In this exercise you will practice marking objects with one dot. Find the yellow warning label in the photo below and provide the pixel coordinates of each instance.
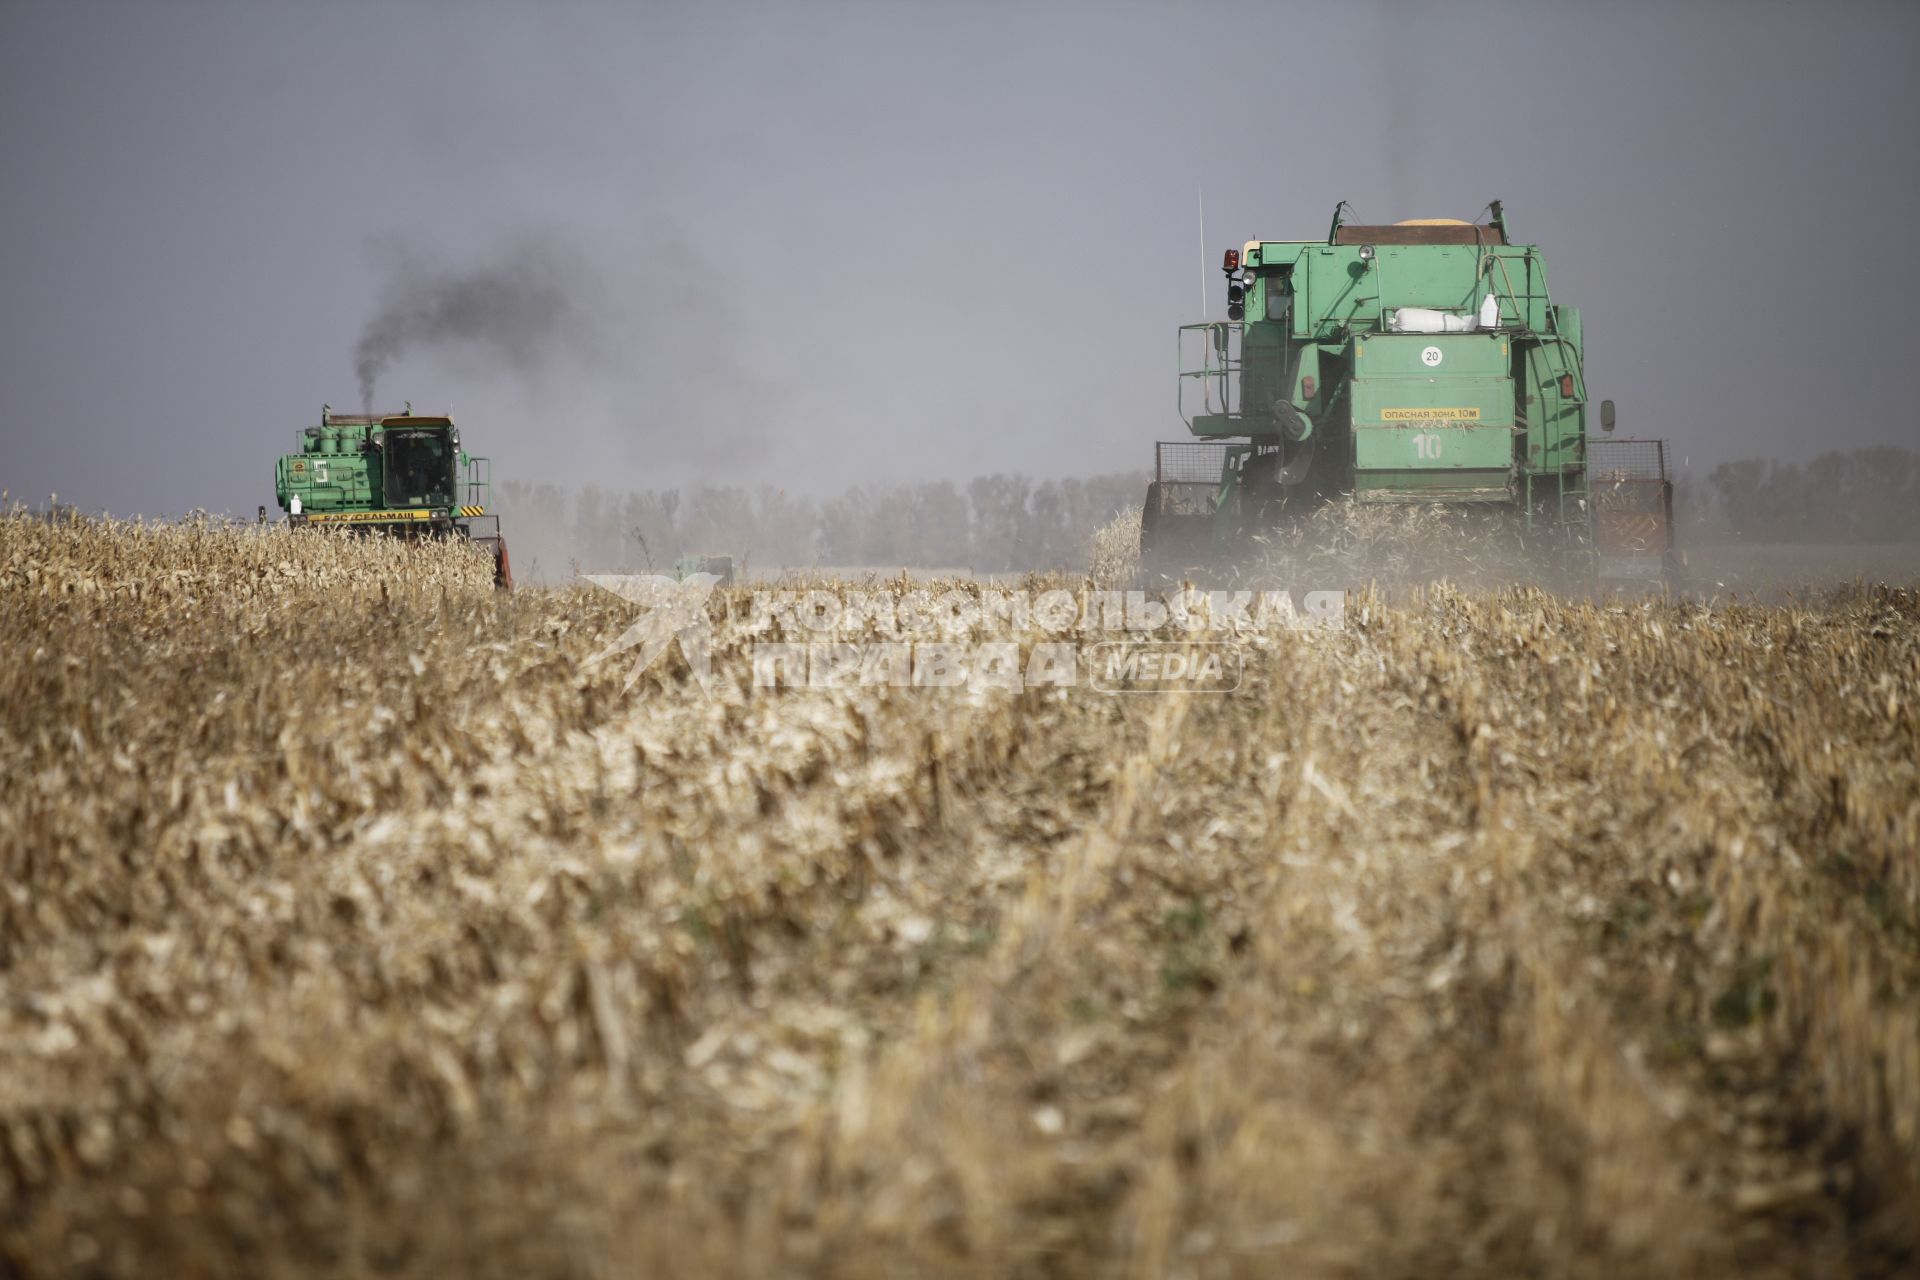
(472, 511)
(1469, 412)
(351, 517)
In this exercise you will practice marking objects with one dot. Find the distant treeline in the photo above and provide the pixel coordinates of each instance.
(1003, 523)
(1865, 495)
(992, 523)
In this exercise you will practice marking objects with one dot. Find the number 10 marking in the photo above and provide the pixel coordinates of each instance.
(1426, 445)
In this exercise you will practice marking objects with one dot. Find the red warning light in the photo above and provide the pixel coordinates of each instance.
(1232, 261)
(1566, 385)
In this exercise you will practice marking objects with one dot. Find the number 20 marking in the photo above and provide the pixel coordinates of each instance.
(1426, 445)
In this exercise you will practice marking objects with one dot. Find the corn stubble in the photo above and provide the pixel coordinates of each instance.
(349, 924)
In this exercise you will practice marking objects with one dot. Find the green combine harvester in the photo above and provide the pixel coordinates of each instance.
(399, 473)
(1422, 362)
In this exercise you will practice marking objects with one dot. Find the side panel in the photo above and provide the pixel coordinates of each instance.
(327, 481)
(1436, 446)
(1433, 416)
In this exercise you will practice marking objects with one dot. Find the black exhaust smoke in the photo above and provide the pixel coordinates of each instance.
(517, 306)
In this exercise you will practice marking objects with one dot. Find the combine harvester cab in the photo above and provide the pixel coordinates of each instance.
(402, 473)
(1418, 363)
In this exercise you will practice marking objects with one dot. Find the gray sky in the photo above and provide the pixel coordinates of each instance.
(810, 244)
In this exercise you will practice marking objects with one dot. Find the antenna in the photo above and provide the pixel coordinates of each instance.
(1201, 192)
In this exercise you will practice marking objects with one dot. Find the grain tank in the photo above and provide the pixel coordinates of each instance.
(1418, 362)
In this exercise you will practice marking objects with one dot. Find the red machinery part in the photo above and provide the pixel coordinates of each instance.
(502, 566)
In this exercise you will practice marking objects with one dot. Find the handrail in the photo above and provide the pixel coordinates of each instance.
(479, 480)
(1229, 367)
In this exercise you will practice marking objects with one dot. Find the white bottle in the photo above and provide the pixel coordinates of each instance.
(1490, 312)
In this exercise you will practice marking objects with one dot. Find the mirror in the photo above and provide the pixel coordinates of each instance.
(1606, 415)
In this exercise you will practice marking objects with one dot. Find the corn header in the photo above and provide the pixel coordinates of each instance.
(1418, 362)
(401, 473)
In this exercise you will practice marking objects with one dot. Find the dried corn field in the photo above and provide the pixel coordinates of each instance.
(350, 924)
